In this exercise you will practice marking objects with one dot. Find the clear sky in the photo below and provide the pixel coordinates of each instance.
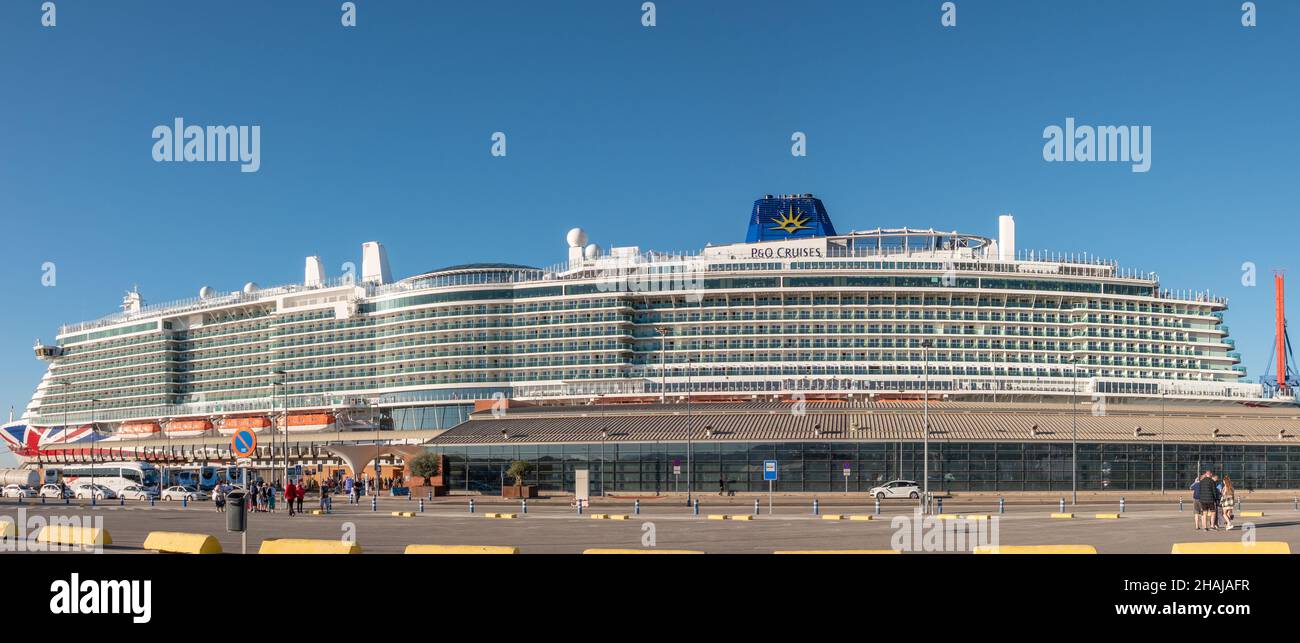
(660, 137)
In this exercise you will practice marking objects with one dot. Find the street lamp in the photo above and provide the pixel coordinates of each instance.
(663, 355)
(604, 435)
(925, 424)
(281, 383)
(1074, 432)
(93, 402)
(689, 362)
(1162, 443)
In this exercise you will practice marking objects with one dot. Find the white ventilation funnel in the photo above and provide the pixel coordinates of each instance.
(1006, 238)
(313, 273)
(374, 263)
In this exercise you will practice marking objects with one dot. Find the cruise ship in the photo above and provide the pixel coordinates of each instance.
(797, 311)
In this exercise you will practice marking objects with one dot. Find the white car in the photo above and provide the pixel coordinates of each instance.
(136, 492)
(55, 491)
(897, 489)
(97, 491)
(183, 493)
(19, 491)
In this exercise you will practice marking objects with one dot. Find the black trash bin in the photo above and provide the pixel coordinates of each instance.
(236, 512)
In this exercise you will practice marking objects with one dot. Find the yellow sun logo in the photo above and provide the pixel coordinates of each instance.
(791, 222)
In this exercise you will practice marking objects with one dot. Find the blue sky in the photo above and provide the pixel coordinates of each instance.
(659, 137)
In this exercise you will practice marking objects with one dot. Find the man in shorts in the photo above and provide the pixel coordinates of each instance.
(1209, 501)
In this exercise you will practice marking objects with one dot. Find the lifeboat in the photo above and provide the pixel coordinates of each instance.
(255, 424)
(311, 422)
(187, 428)
(138, 430)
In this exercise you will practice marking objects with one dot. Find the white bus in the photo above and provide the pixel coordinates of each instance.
(114, 475)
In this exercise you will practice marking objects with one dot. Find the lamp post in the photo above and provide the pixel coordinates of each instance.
(663, 358)
(1162, 443)
(925, 425)
(689, 486)
(281, 384)
(604, 435)
(1074, 432)
(93, 402)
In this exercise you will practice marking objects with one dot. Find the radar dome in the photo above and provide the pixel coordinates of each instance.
(577, 238)
(206, 292)
(592, 251)
(250, 288)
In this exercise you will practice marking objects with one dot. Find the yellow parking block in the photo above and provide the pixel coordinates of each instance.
(307, 546)
(741, 517)
(717, 516)
(1035, 549)
(619, 517)
(317, 512)
(832, 517)
(1062, 515)
(500, 515)
(837, 551)
(947, 517)
(1108, 516)
(74, 535)
(641, 551)
(7, 529)
(175, 542)
(600, 516)
(862, 517)
(460, 549)
(1251, 514)
(975, 516)
(404, 514)
(1234, 547)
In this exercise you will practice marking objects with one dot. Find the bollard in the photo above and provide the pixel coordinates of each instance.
(421, 505)
(430, 496)
(755, 506)
(579, 506)
(42, 499)
(92, 500)
(1002, 505)
(374, 503)
(185, 501)
(523, 505)
(471, 505)
(67, 500)
(1062, 504)
(151, 499)
(877, 506)
(121, 502)
(1295, 503)
(697, 506)
(20, 498)
(1180, 504)
(1121, 504)
(636, 506)
(939, 502)
(816, 507)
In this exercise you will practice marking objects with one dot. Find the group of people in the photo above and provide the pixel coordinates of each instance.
(1213, 498)
(261, 496)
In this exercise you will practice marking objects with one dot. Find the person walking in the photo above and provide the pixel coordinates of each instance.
(1196, 502)
(300, 492)
(1228, 500)
(219, 499)
(1209, 501)
(289, 492)
(268, 492)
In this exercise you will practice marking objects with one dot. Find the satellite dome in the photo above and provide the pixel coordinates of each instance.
(577, 238)
(250, 288)
(206, 292)
(592, 251)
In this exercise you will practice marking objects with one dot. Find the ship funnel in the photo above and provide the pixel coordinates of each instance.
(374, 263)
(1006, 237)
(314, 273)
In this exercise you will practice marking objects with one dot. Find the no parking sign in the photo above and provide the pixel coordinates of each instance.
(243, 443)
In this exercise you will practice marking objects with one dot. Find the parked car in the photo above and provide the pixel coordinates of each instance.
(19, 491)
(180, 492)
(136, 492)
(56, 491)
(97, 491)
(897, 489)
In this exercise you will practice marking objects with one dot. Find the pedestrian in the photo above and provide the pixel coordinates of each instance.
(289, 492)
(219, 499)
(300, 492)
(1228, 500)
(722, 485)
(1196, 501)
(269, 493)
(1209, 501)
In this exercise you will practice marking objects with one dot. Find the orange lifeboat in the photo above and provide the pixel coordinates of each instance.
(255, 424)
(187, 428)
(311, 422)
(138, 430)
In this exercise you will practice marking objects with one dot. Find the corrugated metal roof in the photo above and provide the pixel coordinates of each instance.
(957, 421)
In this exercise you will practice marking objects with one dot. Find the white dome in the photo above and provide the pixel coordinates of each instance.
(592, 251)
(250, 288)
(577, 238)
(206, 292)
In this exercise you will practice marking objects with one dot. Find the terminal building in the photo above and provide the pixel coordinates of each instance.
(804, 344)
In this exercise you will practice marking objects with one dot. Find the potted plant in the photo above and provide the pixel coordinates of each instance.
(518, 469)
(427, 466)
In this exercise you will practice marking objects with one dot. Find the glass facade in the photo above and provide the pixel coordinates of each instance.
(819, 466)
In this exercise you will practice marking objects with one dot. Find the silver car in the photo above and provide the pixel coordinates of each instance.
(897, 489)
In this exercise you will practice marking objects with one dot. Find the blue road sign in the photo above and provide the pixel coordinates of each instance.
(769, 469)
(243, 443)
